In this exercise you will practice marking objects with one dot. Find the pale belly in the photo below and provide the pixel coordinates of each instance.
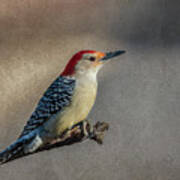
(82, 103)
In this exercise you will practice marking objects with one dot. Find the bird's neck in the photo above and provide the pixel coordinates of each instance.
(86, 77)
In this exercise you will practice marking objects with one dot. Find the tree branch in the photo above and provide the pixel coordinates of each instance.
(76, 134)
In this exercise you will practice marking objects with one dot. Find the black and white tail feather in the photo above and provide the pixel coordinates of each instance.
(18, 148)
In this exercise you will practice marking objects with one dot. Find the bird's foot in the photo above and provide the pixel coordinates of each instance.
(88, 129)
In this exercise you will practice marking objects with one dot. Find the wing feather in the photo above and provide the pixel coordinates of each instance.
(54, 100)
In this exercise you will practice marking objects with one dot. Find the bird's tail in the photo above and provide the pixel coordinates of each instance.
(17, 149)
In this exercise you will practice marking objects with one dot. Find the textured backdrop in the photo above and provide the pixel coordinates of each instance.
(139, 92)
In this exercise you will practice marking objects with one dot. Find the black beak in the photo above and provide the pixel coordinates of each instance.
(110, 55)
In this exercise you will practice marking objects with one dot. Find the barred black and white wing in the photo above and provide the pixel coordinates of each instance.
(54, 100)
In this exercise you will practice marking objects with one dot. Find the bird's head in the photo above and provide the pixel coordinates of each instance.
(88, 61)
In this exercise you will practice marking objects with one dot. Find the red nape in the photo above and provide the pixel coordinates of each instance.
(70, 67)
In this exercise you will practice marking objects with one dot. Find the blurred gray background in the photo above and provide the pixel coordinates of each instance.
(139, 92)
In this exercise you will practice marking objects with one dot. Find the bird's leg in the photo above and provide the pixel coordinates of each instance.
(88, 129)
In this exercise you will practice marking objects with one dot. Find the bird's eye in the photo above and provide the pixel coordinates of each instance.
(92, 58)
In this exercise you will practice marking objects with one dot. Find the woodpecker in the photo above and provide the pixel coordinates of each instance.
(66, 102)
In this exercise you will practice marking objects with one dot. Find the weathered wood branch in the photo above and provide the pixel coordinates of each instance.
(76, 134)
